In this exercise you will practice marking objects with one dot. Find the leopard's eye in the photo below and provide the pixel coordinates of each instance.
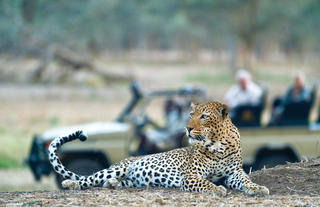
(191, 114)
(203, 116)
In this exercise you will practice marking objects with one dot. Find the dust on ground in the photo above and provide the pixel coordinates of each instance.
(294, 184)
(22, 179)
(294, 178)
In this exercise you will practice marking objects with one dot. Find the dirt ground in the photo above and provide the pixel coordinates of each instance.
(21, 179)
(294, 184)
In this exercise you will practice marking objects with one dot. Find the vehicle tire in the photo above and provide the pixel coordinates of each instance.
(80, 166)
(272, 160)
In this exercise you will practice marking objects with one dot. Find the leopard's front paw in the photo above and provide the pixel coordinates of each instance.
(257, 190)
(111, 183)
(70, 184)
(220, 191)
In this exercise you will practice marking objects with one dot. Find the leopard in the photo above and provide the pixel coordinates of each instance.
(214, 154)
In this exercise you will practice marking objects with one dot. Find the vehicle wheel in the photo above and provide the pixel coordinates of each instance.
(272, 160)
(81, 166)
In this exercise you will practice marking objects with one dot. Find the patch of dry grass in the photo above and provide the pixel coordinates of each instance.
(280, 180)
(152, 197)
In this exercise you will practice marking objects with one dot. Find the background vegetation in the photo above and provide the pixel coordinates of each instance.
(244, 30)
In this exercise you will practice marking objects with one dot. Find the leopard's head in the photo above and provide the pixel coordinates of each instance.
(207, 122)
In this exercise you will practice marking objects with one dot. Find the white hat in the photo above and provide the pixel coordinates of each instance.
(242, 73)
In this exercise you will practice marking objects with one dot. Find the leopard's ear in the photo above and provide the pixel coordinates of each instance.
(224, 109)
(193, 105)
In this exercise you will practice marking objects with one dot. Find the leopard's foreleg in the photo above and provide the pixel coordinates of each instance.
(195, 183)
(240, 180)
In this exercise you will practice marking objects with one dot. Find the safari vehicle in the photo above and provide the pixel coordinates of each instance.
(271, 146)
(134, 132)
(289, 139)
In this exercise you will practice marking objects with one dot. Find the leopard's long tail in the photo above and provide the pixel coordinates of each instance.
(54, 159)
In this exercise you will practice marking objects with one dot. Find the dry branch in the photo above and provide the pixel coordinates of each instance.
(73, 61)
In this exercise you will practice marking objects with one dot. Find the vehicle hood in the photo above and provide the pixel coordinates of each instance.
(90, 129)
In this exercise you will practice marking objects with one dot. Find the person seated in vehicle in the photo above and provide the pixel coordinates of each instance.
(244, 93)
(169, 136)
(298, 92)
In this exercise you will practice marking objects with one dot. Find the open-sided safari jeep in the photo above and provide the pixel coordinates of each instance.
(132, 133)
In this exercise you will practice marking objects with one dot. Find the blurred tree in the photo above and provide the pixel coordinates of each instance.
(28, 10)
(236, 26)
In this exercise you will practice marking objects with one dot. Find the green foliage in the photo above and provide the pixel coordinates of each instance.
(13, 148)
(33, 202)
(272, 77)
(8, 162)
(210, 79)
(166, 24)
(54, 121)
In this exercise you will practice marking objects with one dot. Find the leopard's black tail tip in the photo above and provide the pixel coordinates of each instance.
(81, 135)
(78, 135)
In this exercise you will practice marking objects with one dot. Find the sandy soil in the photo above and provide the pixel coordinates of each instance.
(295, 184)
(23, 180)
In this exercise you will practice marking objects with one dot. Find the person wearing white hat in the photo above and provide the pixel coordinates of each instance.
(246, 92)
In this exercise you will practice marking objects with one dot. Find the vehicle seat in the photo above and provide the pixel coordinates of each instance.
(250, 115)
(296, 113)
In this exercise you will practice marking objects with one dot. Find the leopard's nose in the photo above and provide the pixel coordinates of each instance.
(189, 129)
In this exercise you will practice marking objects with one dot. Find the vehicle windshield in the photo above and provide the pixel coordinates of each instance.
(165, 107)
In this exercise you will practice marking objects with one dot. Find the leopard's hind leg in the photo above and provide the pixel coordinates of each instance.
(114, 176)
